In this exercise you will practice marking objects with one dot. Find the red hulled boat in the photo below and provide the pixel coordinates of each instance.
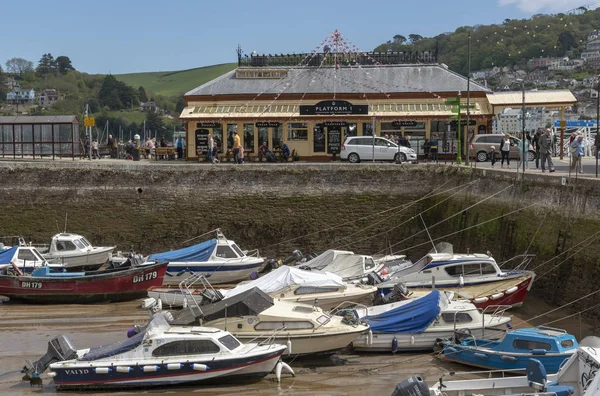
(112, 285)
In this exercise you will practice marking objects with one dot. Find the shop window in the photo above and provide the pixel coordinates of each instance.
(263, 135)
(318, 139)
(231, 130)
(351, 130)
(277, 137)
(367, 129)
(217, 133)
(297, 131)
(249, 137)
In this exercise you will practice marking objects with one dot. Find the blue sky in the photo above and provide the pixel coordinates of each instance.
(128, 36)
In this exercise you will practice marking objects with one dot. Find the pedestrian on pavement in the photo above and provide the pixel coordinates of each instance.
(492, 155)
(433, 148)
(546, 149)
(505, 151)
(523, 153)
(179, 145)
(576, 154)
(536, 147)
(236, 148)
(95, 149)
(209, 149)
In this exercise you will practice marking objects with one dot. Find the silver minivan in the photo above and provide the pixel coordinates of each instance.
(360, 148)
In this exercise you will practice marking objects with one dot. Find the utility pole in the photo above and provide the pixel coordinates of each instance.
(468, 98)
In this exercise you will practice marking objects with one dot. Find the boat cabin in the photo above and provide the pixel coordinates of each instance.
(539, 341)
(26, 258)
(66, 242)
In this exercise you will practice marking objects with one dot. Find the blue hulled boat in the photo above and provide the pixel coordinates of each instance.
(548, 345)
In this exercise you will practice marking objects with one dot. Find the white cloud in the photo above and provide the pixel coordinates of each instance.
(535, 6)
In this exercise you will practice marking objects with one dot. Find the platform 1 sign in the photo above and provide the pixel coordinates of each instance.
(334, 107)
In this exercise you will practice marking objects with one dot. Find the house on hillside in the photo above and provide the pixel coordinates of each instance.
(538, 63)
(148, 106)
(21, 96)
(48, 97)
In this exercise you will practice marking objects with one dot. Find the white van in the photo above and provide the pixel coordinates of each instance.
(360, 148)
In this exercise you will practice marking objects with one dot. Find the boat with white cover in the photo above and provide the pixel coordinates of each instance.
(255, 316)
(76, 252)
(219, 259)
(161, 355)
(346, 264)
(418, 323)
(324, 290)
(475, 277)
(578, 376)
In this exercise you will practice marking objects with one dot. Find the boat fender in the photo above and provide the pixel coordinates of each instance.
(185, 303)
(124, 369)
(131, 332)
(394, 345)
(289, 346)
(538, 351)
(508, 358)
(370, 337)
(168, 273)
(102, 370)
(480, 300)
(150, 369)
(481, 356)
(285, 368)
(461, 281)
(200, 367)
(174, 366)
(511, 290)
(450, 350)
(496, 296)
(52, 374)
(412, 340)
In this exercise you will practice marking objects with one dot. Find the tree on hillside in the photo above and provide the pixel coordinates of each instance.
(399, 39)
(415, 37)
(142, 95)
(116, 95)
(18, 66)
(64, 64)
(180, 105)
(154, 122)
(46, 66)
(3, 88)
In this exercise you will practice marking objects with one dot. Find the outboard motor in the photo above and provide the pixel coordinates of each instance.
(60, 349)
(399, 292)
(414, 386)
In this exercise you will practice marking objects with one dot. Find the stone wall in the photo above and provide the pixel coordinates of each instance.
(365, 208)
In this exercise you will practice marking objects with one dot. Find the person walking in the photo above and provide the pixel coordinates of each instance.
(505, 151)
(209, 147)
(95, 149)
(109, 145)
(536, 147)
(179, 145)
(236, 148)
(492, 155)
(546, 151)
(576, 154)
(433, 148)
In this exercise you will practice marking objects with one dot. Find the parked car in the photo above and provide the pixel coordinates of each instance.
(360, 148)
(480, 146)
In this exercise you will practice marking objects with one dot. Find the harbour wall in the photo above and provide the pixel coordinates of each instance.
(364, 208)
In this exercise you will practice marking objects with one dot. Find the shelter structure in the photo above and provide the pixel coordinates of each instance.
(43, 136)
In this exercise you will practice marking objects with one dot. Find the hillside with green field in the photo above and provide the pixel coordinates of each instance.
(175, 83)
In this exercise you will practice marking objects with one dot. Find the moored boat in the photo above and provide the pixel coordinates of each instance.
(548, 345)
(418, 323)
(45, 286)
(76, 253)
(345, 264)
(475, 277)
(24, 259)
(255, 316)
(218, 259)
(161, 355)
(324, 290)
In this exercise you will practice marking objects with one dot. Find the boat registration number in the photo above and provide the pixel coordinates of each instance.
(145, 277)
(31, 285)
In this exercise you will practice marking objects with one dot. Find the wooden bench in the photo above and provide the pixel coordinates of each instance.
(168, 152)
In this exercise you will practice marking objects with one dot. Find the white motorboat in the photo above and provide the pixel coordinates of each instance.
(577, 376)
(218, 259)
(24, 259)
(76, 253)
(160, 355)
(346, 264)
(417, 324)
(324, 290)
(476, 277)
(254, 316)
